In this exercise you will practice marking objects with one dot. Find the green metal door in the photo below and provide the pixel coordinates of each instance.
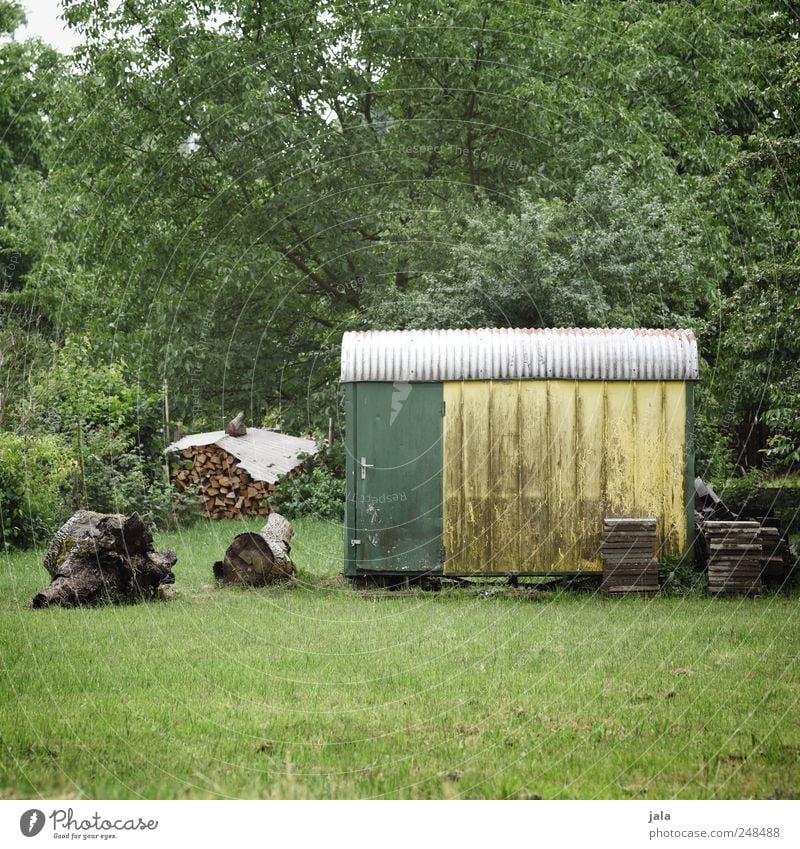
(394, 478)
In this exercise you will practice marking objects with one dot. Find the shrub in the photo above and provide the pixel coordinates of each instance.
(318, 490)
(130, 481)
(111, 427)
(34, 474)
(677, 575)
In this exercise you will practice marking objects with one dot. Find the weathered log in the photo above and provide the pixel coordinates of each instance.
(257, 559)
(99, 557)
(236, 426)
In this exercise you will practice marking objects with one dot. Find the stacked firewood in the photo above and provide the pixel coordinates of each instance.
(226, 490)
(775, 557)
(734, 551)
(628, 550)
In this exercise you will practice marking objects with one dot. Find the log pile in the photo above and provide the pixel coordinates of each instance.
(102, 558)
(255, 560)
(775, 557)
(734, 551)
(628, 551)
(226, 490)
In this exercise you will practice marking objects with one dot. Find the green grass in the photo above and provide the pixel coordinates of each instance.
(322, 691)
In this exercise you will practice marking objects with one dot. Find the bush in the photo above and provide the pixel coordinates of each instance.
(318, 490)
(713, 447)
(112, 429)
(128, 481)
(677, 575)
(34, 476)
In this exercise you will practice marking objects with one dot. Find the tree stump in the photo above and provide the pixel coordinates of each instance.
(99, 557)
(257, 559)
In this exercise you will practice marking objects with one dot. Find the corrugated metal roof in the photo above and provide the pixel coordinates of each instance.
(263, 453)
(514, 354)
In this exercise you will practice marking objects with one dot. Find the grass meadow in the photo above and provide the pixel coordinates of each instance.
(321, 691)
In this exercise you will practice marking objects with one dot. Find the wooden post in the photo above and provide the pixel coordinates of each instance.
(167, 440)
(82, 493)
(330, 431)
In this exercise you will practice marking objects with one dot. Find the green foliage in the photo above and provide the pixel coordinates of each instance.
(600, 259)
(551, 163)
(28, 72)
(678, 576)
(714, 455)
(34, 473)
(756, 355)
(81, 394)
(121, 482)
(28, 67)
(317, 490)
(112, 429)
(369, 155)
(739, 489)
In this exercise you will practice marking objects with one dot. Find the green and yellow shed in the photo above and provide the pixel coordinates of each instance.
(500, 451)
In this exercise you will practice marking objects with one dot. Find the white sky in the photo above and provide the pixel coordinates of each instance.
(44, 20)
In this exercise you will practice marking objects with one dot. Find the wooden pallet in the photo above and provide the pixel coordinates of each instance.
(775, 557)
(628, 551)
(733, 551)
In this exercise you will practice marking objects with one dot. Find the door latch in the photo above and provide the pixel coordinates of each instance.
(364, 466)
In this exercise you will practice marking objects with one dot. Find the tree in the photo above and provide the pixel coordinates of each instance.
(756, 372)
(233, 183)
(616, 254)
(27, 69)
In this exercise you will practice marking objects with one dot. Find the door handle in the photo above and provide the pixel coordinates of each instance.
(364, 466)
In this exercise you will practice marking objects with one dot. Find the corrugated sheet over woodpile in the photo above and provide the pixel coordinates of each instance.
(234, 475)
(519, 354)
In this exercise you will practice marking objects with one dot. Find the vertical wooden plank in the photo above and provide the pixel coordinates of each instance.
(453, 494)
(620, 449)
(649, 454)
(534, 473)
(504, 478)
(563, 494)
(589, 460)
(477, 413)
(675, 467)
(689, 473)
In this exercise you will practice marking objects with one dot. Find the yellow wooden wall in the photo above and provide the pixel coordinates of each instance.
(531, 467)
